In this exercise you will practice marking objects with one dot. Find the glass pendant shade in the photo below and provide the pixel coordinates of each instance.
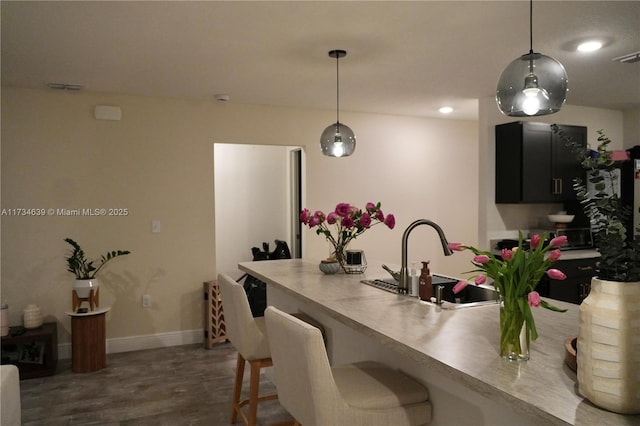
(338, 140)
(534, 84)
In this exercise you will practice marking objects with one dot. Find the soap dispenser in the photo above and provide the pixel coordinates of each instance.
(425, 287)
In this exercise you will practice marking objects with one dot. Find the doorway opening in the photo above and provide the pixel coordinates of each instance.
(258, 193)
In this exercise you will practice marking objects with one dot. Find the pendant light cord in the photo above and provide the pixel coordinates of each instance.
(531, 36)
(337, 93)
(531, 26)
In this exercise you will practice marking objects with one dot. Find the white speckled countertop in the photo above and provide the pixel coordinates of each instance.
(462, 344)
(579, 254)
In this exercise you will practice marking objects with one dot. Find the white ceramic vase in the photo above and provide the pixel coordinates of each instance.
(609, 346)
(31, 317)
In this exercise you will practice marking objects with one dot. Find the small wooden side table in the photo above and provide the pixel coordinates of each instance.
(88, 341)
(34, 351)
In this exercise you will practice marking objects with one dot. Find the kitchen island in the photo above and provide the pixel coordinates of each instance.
(453, 352)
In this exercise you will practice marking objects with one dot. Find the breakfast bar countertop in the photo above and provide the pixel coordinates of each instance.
(462, 344)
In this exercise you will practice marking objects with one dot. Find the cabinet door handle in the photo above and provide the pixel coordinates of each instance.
(557, 186)
(585, 268)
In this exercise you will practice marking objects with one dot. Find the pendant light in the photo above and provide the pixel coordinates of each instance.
(338, 140)
(532, 85)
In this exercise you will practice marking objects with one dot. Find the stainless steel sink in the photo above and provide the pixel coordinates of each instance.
(470, 296)
(391, 285)
(474, 293)
(456, 306)
(386, 284)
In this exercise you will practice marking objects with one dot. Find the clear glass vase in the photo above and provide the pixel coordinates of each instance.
(338, 253)
(514, 335)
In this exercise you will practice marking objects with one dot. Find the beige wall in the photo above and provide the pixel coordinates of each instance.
(157, 162)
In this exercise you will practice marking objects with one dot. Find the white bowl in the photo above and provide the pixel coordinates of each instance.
(561, 218)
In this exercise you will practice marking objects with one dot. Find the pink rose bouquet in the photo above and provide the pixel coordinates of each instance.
(348, 222)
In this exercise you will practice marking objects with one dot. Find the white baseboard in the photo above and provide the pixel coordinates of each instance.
(137, 343)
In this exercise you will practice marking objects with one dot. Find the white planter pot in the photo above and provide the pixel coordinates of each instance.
(82, 291)
(83, 287)
(609, 346)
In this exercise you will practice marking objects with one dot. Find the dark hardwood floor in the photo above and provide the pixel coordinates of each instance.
(180, 385)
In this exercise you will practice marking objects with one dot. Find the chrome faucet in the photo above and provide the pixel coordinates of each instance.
(404, 271)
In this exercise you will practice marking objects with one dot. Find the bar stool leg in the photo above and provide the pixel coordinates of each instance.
(254, 384)
(237, 388)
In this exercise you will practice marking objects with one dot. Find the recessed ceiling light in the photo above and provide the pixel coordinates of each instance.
(446, 110)
(589, 46)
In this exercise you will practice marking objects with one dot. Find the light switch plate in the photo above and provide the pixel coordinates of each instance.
(155, 225)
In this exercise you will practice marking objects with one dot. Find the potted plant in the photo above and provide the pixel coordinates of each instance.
(85, 272)
(609, 327)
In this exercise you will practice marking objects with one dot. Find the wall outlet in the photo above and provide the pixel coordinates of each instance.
(146, 301)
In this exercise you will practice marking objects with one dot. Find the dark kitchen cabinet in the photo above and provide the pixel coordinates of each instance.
(533, 165)
(577, 286)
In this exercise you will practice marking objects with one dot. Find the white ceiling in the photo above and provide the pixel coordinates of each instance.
(406, 58)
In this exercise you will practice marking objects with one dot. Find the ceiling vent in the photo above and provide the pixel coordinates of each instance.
(64, 86)
(628, 59)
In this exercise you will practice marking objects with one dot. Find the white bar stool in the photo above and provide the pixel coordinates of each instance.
(316, 394)
(248, 336)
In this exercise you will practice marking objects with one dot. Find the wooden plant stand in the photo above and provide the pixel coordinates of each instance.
(93, 299)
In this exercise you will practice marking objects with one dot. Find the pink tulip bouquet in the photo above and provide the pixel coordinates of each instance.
(515, 274)
(348, 222)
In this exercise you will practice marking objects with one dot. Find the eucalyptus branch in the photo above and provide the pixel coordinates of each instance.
(619, 253)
